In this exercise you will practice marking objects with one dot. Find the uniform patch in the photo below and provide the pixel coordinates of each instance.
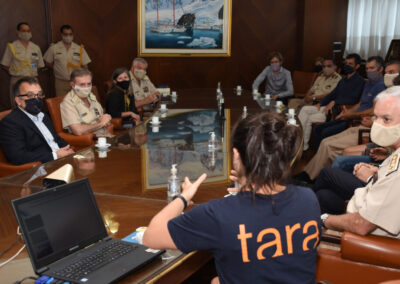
(83, 114)
(393, 164)
(145, 89)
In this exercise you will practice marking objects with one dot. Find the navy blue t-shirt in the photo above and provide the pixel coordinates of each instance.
(259, 240)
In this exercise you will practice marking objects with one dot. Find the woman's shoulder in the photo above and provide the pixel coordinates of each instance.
(114, 92)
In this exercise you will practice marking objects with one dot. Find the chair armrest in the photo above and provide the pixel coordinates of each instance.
(363, 139)
(7, 169)
(117, 122)
(78, 140)
(375, 250)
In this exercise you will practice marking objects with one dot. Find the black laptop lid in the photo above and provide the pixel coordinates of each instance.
(59, 221)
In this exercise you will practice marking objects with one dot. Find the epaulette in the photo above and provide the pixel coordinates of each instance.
(393, 164)
(92, 97)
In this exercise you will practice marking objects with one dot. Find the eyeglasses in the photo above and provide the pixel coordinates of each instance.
(30, 95)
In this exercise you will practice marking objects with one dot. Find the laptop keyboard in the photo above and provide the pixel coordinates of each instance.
(96, 260)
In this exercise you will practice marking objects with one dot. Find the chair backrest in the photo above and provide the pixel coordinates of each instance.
(302, 81)
(53, 104)
(4, 113)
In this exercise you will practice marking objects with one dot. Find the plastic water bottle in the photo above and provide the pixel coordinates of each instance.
(174, 183)
(212, 142)
(244, 114)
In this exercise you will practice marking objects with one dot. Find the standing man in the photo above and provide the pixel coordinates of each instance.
(141, 86)
(278, 81)
(81, 113)
(27, 134)
(21, 58)
(64, 57)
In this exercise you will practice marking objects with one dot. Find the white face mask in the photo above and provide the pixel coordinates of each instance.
(26, 36)
(82, 92)
(328, 71)
(388, 79)
(385, 135)
(67, 39)
(139, 73)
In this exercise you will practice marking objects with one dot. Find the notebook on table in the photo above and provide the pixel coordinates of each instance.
(66, 237)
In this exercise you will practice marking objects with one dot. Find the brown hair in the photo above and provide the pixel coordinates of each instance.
(275, 54)
(80, 72)
(267, 145)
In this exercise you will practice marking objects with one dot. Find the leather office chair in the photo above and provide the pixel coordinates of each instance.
(6, 168)
(361, 259)
(302, 82)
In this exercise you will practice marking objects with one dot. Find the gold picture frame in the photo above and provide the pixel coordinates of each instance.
(202, 29)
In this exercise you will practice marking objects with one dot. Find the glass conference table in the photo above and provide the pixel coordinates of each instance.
(129, 178)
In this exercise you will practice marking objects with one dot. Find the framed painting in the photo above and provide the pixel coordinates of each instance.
(184, 27)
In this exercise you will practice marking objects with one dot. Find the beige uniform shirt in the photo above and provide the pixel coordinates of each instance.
(23, 61)
(74, 111)
(142, 90)
(379, 202)
(325, 85)
(60, 56)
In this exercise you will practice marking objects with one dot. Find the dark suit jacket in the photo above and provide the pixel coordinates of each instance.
(22, 141)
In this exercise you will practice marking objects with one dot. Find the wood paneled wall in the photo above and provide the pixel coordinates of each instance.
(300, 29)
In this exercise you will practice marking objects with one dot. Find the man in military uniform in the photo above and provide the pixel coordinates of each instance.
(374, 208)
(21, 58)
(141, 86)
(322, 86)
(64, 57)
(81, 113)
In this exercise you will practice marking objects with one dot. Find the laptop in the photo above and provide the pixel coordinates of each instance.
(66, 237)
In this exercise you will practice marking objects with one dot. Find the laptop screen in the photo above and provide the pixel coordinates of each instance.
(59, 221)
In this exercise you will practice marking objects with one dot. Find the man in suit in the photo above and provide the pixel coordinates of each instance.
(27, 134)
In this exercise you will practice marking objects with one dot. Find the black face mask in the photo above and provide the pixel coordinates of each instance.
(317, 68)
(347, 69)
(124, 85)
(34, 106)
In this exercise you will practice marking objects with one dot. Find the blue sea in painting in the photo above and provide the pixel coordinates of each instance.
(201, 39)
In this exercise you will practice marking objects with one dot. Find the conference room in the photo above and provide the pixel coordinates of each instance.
(186, 141)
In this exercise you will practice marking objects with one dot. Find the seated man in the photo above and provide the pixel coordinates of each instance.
(27, 134)
(347, 92)
(81, 113)
(141, 86)
(374, 86)
(333, 146)
(322, 86)
(278, 81)
(374, 208)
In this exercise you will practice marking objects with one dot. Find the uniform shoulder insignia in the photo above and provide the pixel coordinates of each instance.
(75, 98)
(393, 164)
(146, 78)
(92, 97)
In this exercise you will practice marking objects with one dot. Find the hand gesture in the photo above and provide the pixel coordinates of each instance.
(189, 189)
(275, 97)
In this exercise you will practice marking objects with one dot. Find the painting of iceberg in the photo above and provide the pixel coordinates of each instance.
(184, 27)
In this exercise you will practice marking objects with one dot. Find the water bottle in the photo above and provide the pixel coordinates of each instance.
(212, 142)
(174, 184)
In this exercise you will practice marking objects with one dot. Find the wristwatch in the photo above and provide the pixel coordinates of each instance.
(323, 219)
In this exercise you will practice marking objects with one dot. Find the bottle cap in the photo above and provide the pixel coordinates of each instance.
(174, 170)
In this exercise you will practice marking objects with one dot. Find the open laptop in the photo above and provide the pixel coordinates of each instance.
(66, 237)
